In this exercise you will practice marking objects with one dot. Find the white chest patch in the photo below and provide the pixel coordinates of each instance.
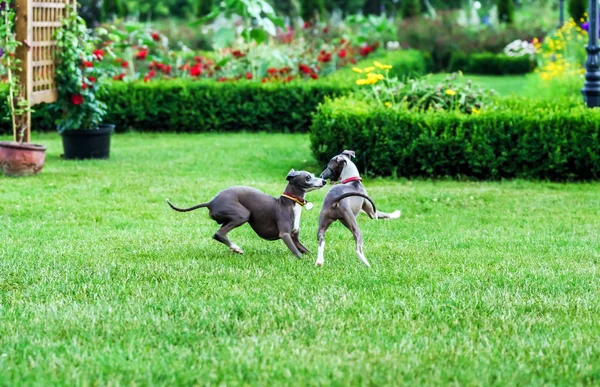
(297, 214)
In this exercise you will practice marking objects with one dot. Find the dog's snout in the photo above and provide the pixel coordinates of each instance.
(324, 181)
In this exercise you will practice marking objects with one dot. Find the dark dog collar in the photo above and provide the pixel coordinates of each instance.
(294, 198)
(348, 180)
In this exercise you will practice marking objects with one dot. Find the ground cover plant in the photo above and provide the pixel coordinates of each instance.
(476, 284)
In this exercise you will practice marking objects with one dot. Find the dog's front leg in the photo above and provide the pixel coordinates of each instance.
(289, 242)
(299, 245)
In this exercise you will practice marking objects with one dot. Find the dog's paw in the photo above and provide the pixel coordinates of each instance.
(236, 249)
(319, 263)
(396, 214)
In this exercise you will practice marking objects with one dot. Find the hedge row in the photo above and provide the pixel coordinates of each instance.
(520, 139)
(491, 64)
(206, 105)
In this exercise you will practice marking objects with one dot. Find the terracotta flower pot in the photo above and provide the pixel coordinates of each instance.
(21, 159)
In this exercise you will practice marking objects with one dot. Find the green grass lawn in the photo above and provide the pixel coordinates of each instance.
(102, 284)
(528, 85)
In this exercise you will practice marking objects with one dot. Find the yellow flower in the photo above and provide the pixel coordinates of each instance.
(379, 77)
(475, 111)
(356, 70)
(369, 69)
(382, 66)
(450, 92)
(361, 81)
(388, 104)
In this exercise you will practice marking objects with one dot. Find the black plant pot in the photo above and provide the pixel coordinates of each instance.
(87, 144)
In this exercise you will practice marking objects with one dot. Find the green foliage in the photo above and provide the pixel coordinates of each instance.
(78, 84)
(556, 140)
(577, 9)
(310, 10)
(506, 11)
(491, 64)
(11, 66)
(410, 8)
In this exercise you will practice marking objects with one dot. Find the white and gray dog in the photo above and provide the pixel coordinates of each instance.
(344, 201)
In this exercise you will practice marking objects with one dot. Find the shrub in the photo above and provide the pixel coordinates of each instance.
(556, 140)
(205, 105)
(491, 64)
(506, 11)
(410, 8)
(424, 35)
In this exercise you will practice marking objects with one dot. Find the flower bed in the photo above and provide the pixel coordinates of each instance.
(519, 138)
(185, 105)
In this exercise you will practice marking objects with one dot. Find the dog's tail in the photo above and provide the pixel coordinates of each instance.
(348, 194)
(187, 209)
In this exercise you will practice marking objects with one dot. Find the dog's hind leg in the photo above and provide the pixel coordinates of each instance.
(323, 226)
(230, 224)
(350, 221)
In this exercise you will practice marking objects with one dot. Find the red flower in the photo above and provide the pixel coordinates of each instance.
(119, 77)
(324, 57)
(155, 36)
(342, 53)
(342, 41)
(304, 68)
(92, 79)
(166, 69)
(185, 67)
(326, 30)
(353, 60)
(88, 64)
(99, 54)
(366, 50)
(196, 70)
(314, 76)
(222, 79)
(306, 25)
(284, 70)
(84, 86)
(118, 60)
(124, 64)
(237, 54)
(77, 99)
(264, 80)
(272, 71)
(288, 79)
(142, 54)
(152, 73)
(147, 78)
(198, 59)
(248, 75)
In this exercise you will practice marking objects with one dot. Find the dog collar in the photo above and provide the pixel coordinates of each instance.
(295, 198)
(348, 180)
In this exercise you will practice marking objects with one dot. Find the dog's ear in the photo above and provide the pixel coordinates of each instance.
(292, 174)
(349, 153)
(340, 160)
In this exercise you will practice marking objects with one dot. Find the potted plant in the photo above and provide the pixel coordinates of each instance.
(17, 158)
(79, 84)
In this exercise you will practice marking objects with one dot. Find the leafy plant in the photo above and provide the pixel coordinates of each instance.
(421, 94)
(78, 81)
(18, 106)
(506, 11)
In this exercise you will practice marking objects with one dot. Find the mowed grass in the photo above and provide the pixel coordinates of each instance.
(102, 284)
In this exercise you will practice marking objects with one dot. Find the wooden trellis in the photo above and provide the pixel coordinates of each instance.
(35, 24)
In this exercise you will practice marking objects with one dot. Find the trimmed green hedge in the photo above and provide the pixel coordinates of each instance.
(490, 64)
(519, 139)
(206, 105)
